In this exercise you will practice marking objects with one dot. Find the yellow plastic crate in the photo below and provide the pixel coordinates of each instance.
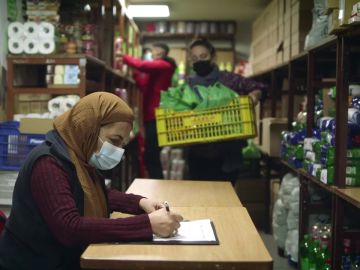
(235, 121)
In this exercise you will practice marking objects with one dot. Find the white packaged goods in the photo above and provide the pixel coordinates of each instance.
(286, 216)
(16, 45)
(31, 38)
(15, 30)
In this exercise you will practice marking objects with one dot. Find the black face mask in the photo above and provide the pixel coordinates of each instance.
(203, 67)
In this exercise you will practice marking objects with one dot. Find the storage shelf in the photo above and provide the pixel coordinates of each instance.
(119, 74)
(351, 195)
(186, 35)
(45, 90)
(313, 179)
(289, 166)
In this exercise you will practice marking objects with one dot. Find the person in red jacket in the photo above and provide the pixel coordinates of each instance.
(159, 73)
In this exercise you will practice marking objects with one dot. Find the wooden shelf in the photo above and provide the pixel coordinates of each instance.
(186, 35)
(44, 90)
(119, 74)
(351, 195)
(290, 167)
(313, 179)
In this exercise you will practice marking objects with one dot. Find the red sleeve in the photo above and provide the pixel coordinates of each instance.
(145, 65)
(124, 202)
(52, 194)
(141, 79)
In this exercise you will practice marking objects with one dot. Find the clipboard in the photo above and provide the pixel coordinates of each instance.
(194, 232)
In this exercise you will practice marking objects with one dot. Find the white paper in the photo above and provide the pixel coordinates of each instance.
(192, 231)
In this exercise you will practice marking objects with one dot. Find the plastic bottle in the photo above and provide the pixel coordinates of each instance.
(305, 247)
(323, 256)
(346, 257)
(354, 116)
(356, 263)
(313, 255)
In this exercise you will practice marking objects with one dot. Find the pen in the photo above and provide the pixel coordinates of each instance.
(167, 207)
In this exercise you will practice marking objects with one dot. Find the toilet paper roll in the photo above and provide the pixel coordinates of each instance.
(31, 29)
(15, 30)
(16, 45)
(31, 46)
(46, 30)
(69, 102)
(46, 46)
(54, 105)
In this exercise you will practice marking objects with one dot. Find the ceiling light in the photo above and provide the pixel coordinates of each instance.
(149, 11)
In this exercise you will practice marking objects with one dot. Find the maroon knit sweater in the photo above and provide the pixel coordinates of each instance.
(52, 194)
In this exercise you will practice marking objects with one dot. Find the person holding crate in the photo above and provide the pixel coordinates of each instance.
(222, 160)
(60, 202)
(159, 73)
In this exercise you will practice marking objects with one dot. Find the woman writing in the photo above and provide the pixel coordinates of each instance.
(60, 203)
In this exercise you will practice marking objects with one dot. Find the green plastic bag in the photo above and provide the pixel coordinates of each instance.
(251, 151)
(217, 95)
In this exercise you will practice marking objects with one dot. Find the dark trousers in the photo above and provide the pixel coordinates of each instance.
(152, 151)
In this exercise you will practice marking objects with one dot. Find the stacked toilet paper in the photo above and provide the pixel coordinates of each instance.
(31, 38)
(61, 104)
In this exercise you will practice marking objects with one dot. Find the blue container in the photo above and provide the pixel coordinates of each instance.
(15, 146)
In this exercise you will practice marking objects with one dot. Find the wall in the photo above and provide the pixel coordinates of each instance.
(243, 39)
(3, 51)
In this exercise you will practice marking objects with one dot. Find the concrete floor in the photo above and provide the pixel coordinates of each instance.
(280, 263)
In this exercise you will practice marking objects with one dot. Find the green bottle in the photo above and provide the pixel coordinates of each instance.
(305, 247)
(323, 257)
(313, 255)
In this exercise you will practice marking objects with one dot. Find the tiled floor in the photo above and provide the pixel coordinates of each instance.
(279, 262)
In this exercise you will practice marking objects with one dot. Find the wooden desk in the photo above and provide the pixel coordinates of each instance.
(240, 247)
(187, 193)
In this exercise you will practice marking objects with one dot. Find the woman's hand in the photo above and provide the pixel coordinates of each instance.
(255, 96)
(149, 205)
(164, 223)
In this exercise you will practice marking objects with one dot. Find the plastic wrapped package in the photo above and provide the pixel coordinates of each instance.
(292, 221)
(291, 245)
(279, 223)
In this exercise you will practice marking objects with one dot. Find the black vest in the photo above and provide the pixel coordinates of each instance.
(27, 242)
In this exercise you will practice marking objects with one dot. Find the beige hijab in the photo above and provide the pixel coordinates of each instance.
(79, 128)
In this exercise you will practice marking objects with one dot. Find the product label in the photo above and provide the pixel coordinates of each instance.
(323, 176)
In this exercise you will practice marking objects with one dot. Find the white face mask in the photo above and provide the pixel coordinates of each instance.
(108, 157)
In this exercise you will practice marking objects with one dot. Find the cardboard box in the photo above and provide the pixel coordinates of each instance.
(298, 5)
(33, 97)
(298, 101)
(328, 102)
(279, 57)
(288, 5)
(22, 107)
(35, 125)
(333, 21)
(252, 190)
(345, 10)
(271, 134)
(332, 4)
(287, 53)
(257, 212)
(287, 26)
(280, 32)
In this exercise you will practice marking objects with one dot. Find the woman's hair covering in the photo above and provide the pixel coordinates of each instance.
(79, 128)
